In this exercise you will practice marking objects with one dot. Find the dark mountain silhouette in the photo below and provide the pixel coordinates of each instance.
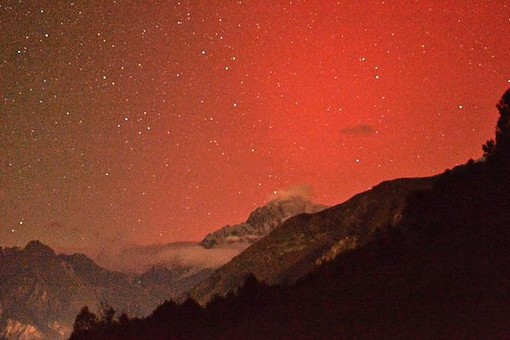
(441, 271)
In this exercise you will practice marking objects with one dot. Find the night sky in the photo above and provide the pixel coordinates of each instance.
(158, 121)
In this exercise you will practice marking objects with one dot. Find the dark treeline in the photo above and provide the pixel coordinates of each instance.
(443, 272)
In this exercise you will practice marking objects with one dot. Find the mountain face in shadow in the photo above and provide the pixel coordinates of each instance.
(440, 270)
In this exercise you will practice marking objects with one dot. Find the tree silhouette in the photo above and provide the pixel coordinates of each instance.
(123, 319)
(84, 321)
(106, 312)
(499, 149)
(488, 148)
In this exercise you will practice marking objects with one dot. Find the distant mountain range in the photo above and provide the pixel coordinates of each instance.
(41, 292)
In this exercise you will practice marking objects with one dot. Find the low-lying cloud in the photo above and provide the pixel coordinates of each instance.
(183, 254)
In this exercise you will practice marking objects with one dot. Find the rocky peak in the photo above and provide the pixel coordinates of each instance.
(38, 248)
(279, 210)
(17, 330)
(261, 221)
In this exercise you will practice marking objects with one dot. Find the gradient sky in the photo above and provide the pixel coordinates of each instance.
(158, 121)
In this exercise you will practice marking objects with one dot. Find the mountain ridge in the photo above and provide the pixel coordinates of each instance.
(294, 248)
(41, 288)
(261, 221)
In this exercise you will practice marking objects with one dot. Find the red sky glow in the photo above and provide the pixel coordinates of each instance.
(159, 121)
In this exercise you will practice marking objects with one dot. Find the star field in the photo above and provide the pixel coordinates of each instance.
(159, 121)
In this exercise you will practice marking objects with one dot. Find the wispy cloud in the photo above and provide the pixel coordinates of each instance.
(139, 259)
(358, 130)
(299, 190)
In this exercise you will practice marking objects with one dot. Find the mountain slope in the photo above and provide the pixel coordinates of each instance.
(302, 242)
(42, 291)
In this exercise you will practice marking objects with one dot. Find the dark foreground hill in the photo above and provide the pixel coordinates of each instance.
(442, 271)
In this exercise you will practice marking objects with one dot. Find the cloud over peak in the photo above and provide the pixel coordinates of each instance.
(298, 190)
